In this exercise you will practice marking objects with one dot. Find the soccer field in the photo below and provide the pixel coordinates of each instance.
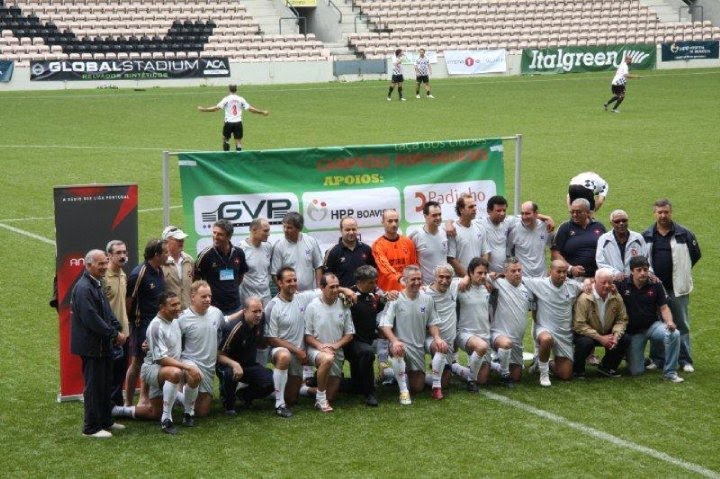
(664, 143)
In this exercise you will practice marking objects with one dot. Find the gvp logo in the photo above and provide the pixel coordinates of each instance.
(242, 212)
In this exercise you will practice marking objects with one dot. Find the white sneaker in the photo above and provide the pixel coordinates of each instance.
(402, 99)
(100, 434)
(116, 426)
(688, 368)
(673, 379)
(651, 366)
(545, 379)
(405, 399)
(430, 96)
(389, 99)
(417, 96)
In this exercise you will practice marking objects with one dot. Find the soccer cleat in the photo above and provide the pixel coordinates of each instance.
(116, 427)
(472, 386)
(283, 411)
(609, 372)
(673, 378)
(102, 433)
(371, 400)
(545, 379)
(430, 96)
(188, 420)
(402, 99)
(615, 111)
(405, 399)
(437, 394)
(605, 106)
(389, 99)
(230, 412)
(323, 406)
(168, 427)
(688, 368)
(417, 96)
(508, 382)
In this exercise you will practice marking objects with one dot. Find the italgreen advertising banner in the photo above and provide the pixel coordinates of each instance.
(327, 184)
(586, 59)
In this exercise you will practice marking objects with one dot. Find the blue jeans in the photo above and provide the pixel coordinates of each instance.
(679, 308)
(658, 334)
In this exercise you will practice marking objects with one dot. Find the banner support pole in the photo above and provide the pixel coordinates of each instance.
(166, 187)
(518, 163)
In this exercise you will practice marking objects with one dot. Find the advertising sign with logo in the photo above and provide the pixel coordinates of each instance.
(135, 69)
(6, 70)
(473, 62)
(411, 57)
(327, 184)
(586, 59)
(87, 217)
(695, 50)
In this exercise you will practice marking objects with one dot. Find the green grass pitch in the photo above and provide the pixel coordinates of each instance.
(663, 144)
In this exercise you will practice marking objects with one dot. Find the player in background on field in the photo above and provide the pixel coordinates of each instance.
(422, 74)
(233, 106)
(397, 75)
(618, 84)
(588, 185)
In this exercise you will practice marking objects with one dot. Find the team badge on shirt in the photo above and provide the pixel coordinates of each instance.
(422, 309)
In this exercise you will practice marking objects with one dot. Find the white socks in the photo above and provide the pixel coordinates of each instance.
(398, 365)
(280, 378)
(381, 347)
(190, 395)
(544, 367)
(320, 396)
(308, 372)
(461, 371)
(475, 363)
(123, 411)
(169, 395)
(504, 356)
(438, 366)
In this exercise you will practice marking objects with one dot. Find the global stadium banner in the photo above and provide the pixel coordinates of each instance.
(690, 50)
(87, 217)
(586, 59)
(330, 183)
(473, 62)
(133, 69)
(6, 70)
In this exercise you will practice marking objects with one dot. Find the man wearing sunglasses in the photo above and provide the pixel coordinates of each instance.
(616, 247)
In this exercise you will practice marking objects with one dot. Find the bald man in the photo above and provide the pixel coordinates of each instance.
(392, 252)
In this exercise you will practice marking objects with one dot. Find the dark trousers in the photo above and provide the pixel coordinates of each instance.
(97, 373)
(361, 357)
(119, 369)
(258, 378)
(584, 345)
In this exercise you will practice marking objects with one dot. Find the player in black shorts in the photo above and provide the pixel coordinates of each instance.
(579, 191)
(397, 75)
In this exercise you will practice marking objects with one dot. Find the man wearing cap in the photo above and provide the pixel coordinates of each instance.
(178, 269)
(223, 266)
(650, 319)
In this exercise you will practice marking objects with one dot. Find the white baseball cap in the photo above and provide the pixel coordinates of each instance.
(173, 232)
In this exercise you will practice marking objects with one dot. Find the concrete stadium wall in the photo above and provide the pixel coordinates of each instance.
(282, 73)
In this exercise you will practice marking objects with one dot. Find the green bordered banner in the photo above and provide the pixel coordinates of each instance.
(327, 184)
(586, 59)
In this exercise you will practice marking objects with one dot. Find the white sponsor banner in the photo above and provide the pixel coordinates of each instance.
(324, 209)
(242, 209)
(472, 62)
(446, 194)
(411, 57)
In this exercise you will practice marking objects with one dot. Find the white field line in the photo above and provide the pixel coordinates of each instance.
(45, 218)
(596, 433)
(28, 234)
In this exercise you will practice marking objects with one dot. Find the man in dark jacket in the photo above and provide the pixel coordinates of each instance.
(95, 331)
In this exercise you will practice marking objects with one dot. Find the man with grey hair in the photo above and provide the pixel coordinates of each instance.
(298, 251)
(527, 241)
(673, 251)
(405, 323)
(600, 319)
(115, 289)
(444, 291)
(616, 247)
(576, 240)
(94, 334)
(258, 253)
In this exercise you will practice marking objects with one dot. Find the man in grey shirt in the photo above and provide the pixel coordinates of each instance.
(258, 253)
(298, 251)
(528, 240)
(431, 242)
(468, 240)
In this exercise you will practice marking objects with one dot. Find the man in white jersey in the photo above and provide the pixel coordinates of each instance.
(528, 240)
(328, 329)
(422, 74)
(405, 323)
(162, 370)
(298, 251)
(199, 326)
(431, 243)
(555, 297)
(618, 84)
(397, 75)
(473, 323)
(258, 252)
(509, 321)
(588, 185)
(616, 247)
(444, 291)
(468, 242)
(233, 106)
